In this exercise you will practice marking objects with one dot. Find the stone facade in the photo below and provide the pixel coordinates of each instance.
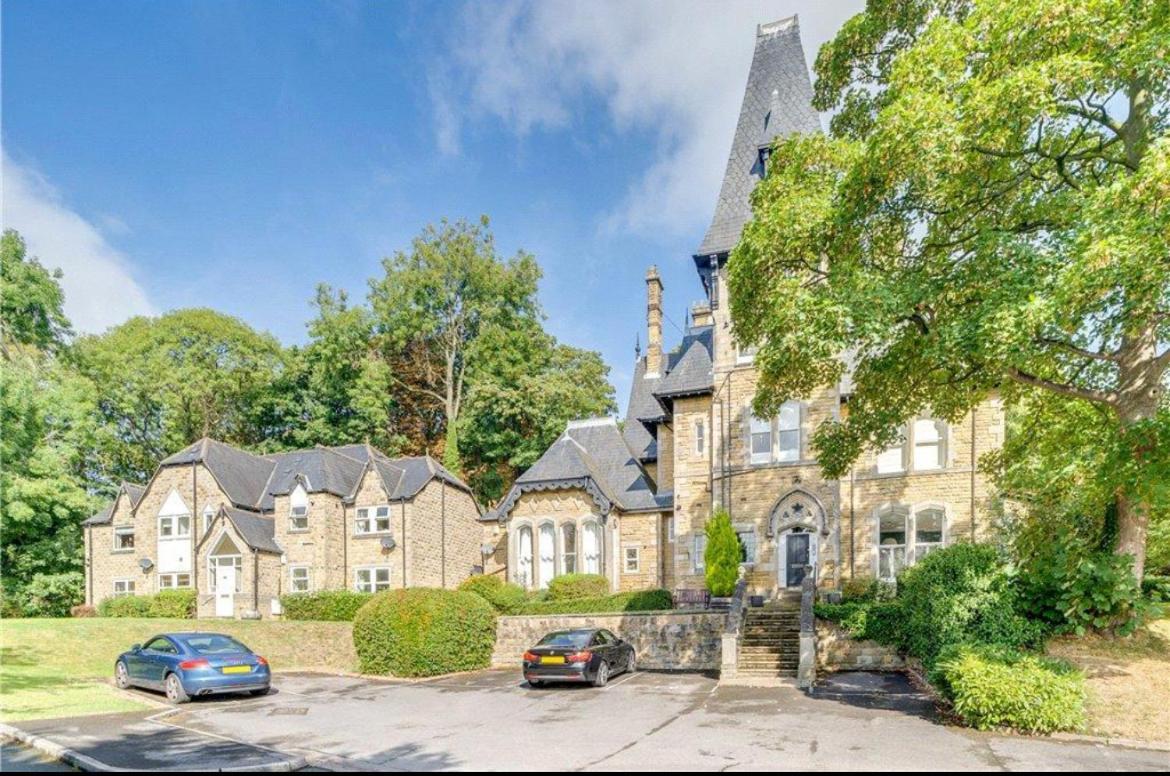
(433, 538)
(837, 651)
(679, 640)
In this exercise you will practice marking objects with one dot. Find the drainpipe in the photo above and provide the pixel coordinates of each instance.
(344, 549)
(404, 544)
(89, 564)
(973, 473)
(194, 526)
(256, 582)
(443, 533)
(852, 525)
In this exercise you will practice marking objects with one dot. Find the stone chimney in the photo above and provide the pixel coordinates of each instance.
(653, 322)
(701, 314)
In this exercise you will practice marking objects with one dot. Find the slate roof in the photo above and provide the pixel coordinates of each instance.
(642, 406)
(777, 101)
(255, 529)
(253, 481)
(690, 369)
(589, 454)
(132, 490)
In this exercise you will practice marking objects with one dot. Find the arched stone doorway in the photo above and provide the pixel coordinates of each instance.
(798, 525)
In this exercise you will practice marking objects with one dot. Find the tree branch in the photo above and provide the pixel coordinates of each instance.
(1076, 349)
(1075, 391)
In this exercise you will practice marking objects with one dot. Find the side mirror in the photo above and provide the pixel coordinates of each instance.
(136, 648)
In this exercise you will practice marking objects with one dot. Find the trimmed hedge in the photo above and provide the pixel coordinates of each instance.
(174, 604)
(424, 632)
(126, 606)
(327, 605)
(503, 596)
(570, 586)
(634, 601)
(993, 687)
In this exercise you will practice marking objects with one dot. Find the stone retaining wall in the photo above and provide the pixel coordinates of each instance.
(837, 651)
(682, 640)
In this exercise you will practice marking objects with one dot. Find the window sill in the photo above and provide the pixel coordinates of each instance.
(299, 530)
(122, 552)
(373, 535)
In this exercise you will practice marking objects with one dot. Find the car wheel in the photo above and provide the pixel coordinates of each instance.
(602, 675)
(259, 693)
(632, 665)
(536, 683)
(121, 676)
(175, 691)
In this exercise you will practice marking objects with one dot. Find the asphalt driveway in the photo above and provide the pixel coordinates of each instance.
(491, 720)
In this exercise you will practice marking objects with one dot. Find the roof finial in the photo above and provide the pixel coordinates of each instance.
(638, 346)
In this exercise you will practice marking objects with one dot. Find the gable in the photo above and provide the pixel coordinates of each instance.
(174, 505)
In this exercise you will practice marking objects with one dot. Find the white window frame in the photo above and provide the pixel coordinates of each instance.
(127, 585)
(884, 461)
(123, 530)
(793, 426)
(292, 578)
(698, 551)
(372, 518)
(546, 556)
(298, 510)
(213, 567)
(751, 547)
(891, 550)
(745, 355)
(594, 564)
(700, 438)
(566, 567)
(175, 522)
(636, 557)
(759, 427)
(173, 580)
(922, 549)
(938, 443)
(373, 584)
(208, 516)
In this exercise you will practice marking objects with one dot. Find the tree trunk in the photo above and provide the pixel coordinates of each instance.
(1139, 394)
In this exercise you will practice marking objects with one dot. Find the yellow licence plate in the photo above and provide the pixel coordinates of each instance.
(237, 669)
(552, 660)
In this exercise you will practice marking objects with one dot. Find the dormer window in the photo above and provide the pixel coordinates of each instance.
(760, 168)
(298, 510)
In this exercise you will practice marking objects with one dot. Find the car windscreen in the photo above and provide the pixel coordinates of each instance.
(213, 644)
(574, 639)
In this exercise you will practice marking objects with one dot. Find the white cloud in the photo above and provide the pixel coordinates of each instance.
(676, 69)
(100, 290)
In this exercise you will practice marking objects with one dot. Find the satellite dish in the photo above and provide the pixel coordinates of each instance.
(146, 564)
(388, 543)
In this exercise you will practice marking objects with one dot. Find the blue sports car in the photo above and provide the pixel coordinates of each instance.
(184, 665)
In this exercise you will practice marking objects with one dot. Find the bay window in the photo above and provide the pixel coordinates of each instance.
(593, 549)
(892, 532)
(928, 531)
(524, 556)
(547, 541)
(569, 548)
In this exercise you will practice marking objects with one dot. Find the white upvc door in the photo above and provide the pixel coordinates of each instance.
(225, 590)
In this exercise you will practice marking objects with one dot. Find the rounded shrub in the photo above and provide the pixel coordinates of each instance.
(179, 604)
(126, 606)
(504, 596)
(330, 605)
(994, 687)
(53, 595)
(424, 632)
(959, 594)
(569, 586)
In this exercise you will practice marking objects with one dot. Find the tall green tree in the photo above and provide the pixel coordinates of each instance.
(165, 382)
(436, 299)
(47, 427)
(989, 211)
(525, 388)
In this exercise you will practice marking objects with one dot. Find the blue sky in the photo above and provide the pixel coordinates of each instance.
(235, 154)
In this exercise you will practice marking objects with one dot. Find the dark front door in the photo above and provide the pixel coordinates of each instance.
(796, 558)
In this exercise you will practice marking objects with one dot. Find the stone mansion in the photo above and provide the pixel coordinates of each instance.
(244, 529)
(631, 501)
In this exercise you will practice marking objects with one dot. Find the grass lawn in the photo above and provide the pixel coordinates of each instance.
(1128, 681)
(62, 667)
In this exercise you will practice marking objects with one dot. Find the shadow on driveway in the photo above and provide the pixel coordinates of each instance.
(887, 691)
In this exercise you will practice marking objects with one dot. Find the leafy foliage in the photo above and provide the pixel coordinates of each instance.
(172, 604)
(505, 597)
(880, 622)
(32, 305)
(957, 594)
(53, 595)
(424, 632)
(993, 687)
(632, 601)
(568, 586)
(721, 558)
(328, 605)
(126, 606)
(988, 214)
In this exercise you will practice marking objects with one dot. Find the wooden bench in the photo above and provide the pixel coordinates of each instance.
(688, 598)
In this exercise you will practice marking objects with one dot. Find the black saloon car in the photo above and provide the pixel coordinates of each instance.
(585, 655)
